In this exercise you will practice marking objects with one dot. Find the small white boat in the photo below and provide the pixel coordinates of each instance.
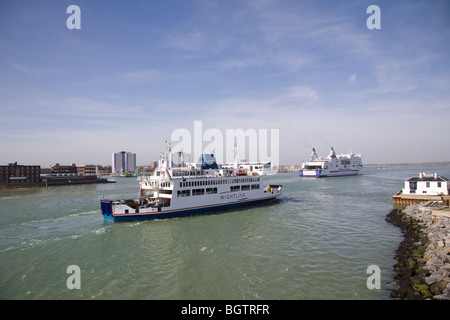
(255, 168)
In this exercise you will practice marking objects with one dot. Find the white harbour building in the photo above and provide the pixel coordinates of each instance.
(427, 184)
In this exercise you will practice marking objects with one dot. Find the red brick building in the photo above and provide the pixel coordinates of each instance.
(19, 174)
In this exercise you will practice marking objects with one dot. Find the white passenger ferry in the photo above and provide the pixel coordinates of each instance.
(196, 188)
(331, 166)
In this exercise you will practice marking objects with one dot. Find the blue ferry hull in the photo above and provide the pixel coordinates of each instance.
(316, 175)
(111, 218)
(319, 174)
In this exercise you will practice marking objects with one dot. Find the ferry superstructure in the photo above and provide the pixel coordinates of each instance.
(196, 188)
(331, 166)
(255, 168)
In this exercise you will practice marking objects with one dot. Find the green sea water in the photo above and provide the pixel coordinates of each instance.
(316, 242)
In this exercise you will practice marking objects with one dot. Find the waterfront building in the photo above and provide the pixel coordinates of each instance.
(427, 184)
(154, 164)
(19, 174)
(56, 168)
(123, 162)
(87, 169)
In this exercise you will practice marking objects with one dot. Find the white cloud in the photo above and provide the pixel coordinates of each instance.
(192, 41)
(139, 76)
(242, 63)
(298, 94)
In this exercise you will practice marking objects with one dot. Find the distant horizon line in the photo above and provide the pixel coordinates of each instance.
(402, 164)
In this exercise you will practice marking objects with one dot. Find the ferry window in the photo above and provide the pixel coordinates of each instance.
(439, 184)
(428, 184)
(184, 193)
(234, 188)
(245, 187)
(198, 192)
(211, 190)
(255, 186)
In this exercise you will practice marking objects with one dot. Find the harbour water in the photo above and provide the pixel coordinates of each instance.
(316, 242)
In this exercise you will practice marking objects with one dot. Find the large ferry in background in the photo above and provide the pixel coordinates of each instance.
(331, 166)
(194, 188)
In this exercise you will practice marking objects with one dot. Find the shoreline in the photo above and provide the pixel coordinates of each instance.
(51, 184)
(423, 257)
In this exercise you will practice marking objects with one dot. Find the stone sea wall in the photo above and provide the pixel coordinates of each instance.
(423, 258)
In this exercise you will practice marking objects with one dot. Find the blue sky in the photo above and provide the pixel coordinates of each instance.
(138, 70)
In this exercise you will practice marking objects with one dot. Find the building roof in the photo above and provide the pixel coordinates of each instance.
(428, 177)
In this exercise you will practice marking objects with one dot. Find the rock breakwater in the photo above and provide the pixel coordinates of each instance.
(424, 256)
